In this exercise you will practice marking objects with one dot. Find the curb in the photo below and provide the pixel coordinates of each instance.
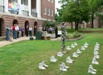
(76, 38)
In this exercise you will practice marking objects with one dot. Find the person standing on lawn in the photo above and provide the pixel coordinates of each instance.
(56, 32)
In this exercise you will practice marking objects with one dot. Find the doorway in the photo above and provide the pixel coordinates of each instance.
(26, 28)
(1, 26)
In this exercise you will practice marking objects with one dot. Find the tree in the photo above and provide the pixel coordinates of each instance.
(58, 17)
(49, 23)
(79, 10)
(94, 6)
(76, 11)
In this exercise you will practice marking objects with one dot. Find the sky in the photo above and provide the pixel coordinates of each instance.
(57, 5)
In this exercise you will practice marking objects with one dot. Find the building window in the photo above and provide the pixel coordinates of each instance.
(2, 8)
(45, 10)
(48, 12)
(25, 13)
(52, 13)
(25, 2)
(13, 7)
(13, 1)
(51, 1)
(2, 2)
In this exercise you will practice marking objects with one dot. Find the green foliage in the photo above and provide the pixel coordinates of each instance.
(95, 6)
(75, 34)
(58, 18)
(70, 30)
(95, 30)
(76, 11)
(79, 10)
(49, 23)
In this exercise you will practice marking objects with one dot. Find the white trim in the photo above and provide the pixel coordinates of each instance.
(29, 7)
(48, 0)
(19, 2)
(9, 14)
(52, 1)
(6, 6)
(2, 2)
(38, 7)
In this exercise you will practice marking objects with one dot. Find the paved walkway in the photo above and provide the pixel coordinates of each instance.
(4, 42)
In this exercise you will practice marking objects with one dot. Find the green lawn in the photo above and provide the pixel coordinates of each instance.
(85, 30)
(89, 30)
(22, 58)
(92, 29)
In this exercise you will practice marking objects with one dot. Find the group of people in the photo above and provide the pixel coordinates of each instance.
(51, 30)
(28, 30)
(14, 32)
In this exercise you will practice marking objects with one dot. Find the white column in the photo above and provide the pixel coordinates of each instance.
(29, 7)
(38, 8)
(19, 3)
(6, 6)
(2, 2)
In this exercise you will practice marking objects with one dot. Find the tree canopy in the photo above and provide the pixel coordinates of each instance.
(95, 6)
(79, 10)
(76, 11)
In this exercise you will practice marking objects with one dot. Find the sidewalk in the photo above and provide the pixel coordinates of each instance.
(4, 42)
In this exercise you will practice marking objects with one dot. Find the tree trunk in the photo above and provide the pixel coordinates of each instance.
(92, 25)
(71, 25)
(76, 26)
(99, 22)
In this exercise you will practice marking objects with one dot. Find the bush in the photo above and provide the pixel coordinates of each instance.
(75, 34)
(49, 23)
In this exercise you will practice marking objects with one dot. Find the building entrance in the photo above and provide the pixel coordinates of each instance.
(35, 28)
(1, 26)
(15, 21)
(26, 28)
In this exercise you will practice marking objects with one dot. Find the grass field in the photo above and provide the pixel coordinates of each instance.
(86, 30)
(92, 29)
(22, 58)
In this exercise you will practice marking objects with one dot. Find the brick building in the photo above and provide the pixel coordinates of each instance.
(25, 12)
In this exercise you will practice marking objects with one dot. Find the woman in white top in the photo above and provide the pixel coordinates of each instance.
(30, 31)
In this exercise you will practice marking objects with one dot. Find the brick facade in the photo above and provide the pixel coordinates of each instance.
(48, 5)
(8, 19)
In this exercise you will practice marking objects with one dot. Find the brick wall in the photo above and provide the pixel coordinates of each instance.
(48, 5)
(8, 20)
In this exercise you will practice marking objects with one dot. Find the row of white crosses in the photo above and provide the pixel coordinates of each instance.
(94, 61)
